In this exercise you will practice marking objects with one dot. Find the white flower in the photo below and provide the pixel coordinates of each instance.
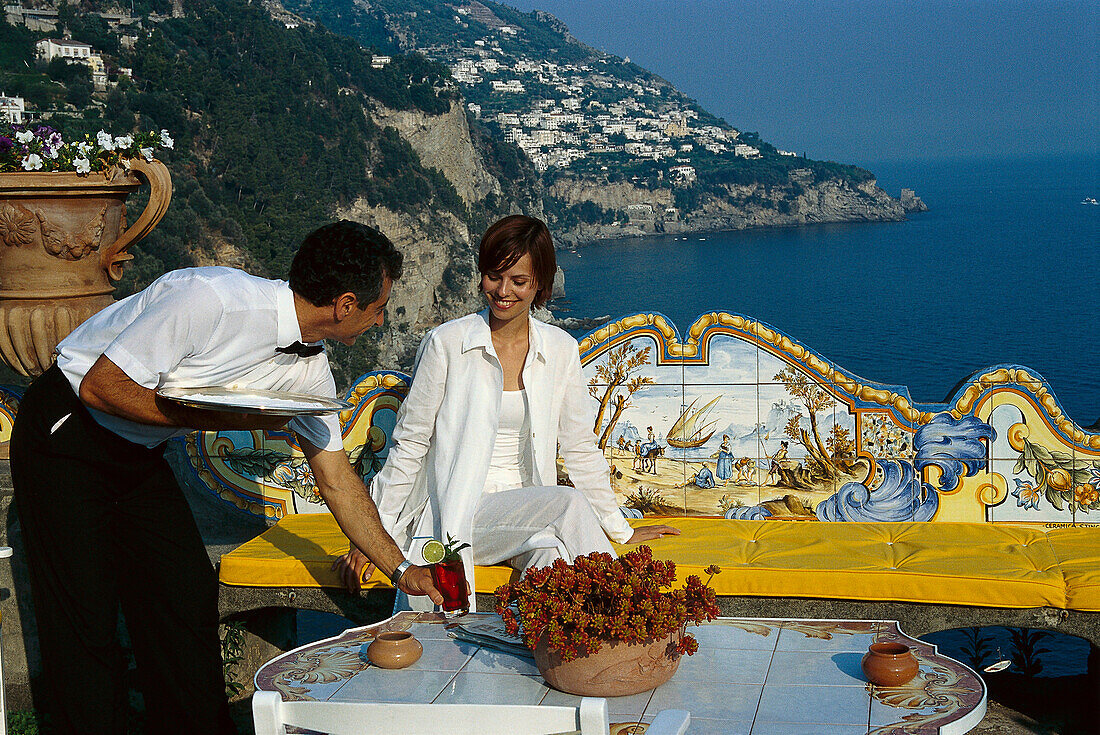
(51, 152)
(84, 148)
(106, 142)
(147, 154)
(24, 136)
(124, 141)
(166, 140)
(82, 165)
(32, 162)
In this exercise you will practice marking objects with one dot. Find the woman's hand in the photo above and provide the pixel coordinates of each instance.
(354, 569)
(648, 533)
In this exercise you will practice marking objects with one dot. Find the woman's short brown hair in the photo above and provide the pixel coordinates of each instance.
(509, 239)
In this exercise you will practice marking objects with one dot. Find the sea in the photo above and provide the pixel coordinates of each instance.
(1003, 268)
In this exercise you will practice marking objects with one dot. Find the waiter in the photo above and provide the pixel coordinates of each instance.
(104, 522)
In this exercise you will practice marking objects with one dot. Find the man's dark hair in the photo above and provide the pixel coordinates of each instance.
(344, 257)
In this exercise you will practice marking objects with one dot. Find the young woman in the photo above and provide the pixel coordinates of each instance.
(495, 396)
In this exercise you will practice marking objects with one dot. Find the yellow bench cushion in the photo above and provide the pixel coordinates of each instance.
(1078, 553)
(953, 563)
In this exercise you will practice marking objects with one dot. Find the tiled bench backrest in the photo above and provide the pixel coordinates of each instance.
(805, 438)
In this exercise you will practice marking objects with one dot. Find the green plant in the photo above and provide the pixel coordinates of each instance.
(23, 723)
(645, 499)
(598, 597)
(232, 656)
(725, 503)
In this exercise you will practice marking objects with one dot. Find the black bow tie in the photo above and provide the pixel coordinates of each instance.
(301, 350)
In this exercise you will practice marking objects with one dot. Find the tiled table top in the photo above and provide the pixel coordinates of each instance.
(750, 676)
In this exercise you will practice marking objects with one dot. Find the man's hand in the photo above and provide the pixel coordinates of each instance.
(649, 533)
(357, 515)
(418, 581)
(354, 568)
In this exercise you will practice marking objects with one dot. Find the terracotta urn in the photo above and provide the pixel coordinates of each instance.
(616, 670)
(889, 664)
(394, 650)
(63, 239)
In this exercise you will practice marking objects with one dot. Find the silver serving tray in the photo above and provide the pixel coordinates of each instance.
(247, 400)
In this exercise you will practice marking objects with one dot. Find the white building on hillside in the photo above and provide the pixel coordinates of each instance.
(11, 109)
(50, 49)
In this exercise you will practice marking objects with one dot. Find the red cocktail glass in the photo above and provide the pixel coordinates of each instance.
(449, 578)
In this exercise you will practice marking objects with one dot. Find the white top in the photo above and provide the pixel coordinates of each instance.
(203, 327)
(510, 466)
(442, 442)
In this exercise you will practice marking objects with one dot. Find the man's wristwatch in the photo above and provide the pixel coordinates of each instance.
(400, 571)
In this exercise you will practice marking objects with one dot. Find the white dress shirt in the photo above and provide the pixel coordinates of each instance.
(443, 440)
(202, 327)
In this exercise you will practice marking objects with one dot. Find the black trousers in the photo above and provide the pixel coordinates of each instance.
(106, 525)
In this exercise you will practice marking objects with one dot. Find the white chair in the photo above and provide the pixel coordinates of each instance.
(272, 716)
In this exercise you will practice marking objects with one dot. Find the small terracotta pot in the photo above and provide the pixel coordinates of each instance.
(889, 664)
(394, 650)
(616, 670)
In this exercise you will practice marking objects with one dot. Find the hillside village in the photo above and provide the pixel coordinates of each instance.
(103, 73)
(598, 109)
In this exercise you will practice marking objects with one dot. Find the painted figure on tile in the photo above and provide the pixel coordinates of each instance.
(724, 470)
(744, 468)
(776, 468)
(649, 457)
(704, 478)
(638, 463)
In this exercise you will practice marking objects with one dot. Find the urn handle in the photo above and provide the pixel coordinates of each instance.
(159, 180)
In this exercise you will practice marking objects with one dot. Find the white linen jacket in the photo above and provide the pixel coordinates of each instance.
(443, 440)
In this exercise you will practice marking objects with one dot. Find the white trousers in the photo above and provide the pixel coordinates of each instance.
(533, 526)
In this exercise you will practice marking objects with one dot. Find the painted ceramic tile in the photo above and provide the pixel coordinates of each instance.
(824, 443)
(723, 357)
(647, 477)
(633, 349)
(715, 439)
(797, 442)
(832, 705)
(1045, 470)
(10, 396)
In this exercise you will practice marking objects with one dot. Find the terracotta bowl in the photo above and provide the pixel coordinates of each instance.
(889, 664)
(394, 650)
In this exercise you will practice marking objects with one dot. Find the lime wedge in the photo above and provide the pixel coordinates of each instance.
(433, 552)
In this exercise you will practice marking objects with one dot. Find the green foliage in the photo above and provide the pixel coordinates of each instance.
(232, 646)
(67, 72)
(16, 46)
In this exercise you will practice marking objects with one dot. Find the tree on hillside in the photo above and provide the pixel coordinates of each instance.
(612, 385)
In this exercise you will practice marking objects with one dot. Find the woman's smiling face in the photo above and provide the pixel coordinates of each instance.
(510, 293)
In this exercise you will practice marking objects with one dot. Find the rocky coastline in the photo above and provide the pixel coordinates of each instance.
(737, 208)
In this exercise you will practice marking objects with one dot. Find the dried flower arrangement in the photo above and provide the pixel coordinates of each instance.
(599, 597)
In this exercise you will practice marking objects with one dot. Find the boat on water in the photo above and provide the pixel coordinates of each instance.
(1090, 200)
(691, 429)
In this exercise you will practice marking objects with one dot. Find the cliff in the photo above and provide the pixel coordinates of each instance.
(802, 200)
